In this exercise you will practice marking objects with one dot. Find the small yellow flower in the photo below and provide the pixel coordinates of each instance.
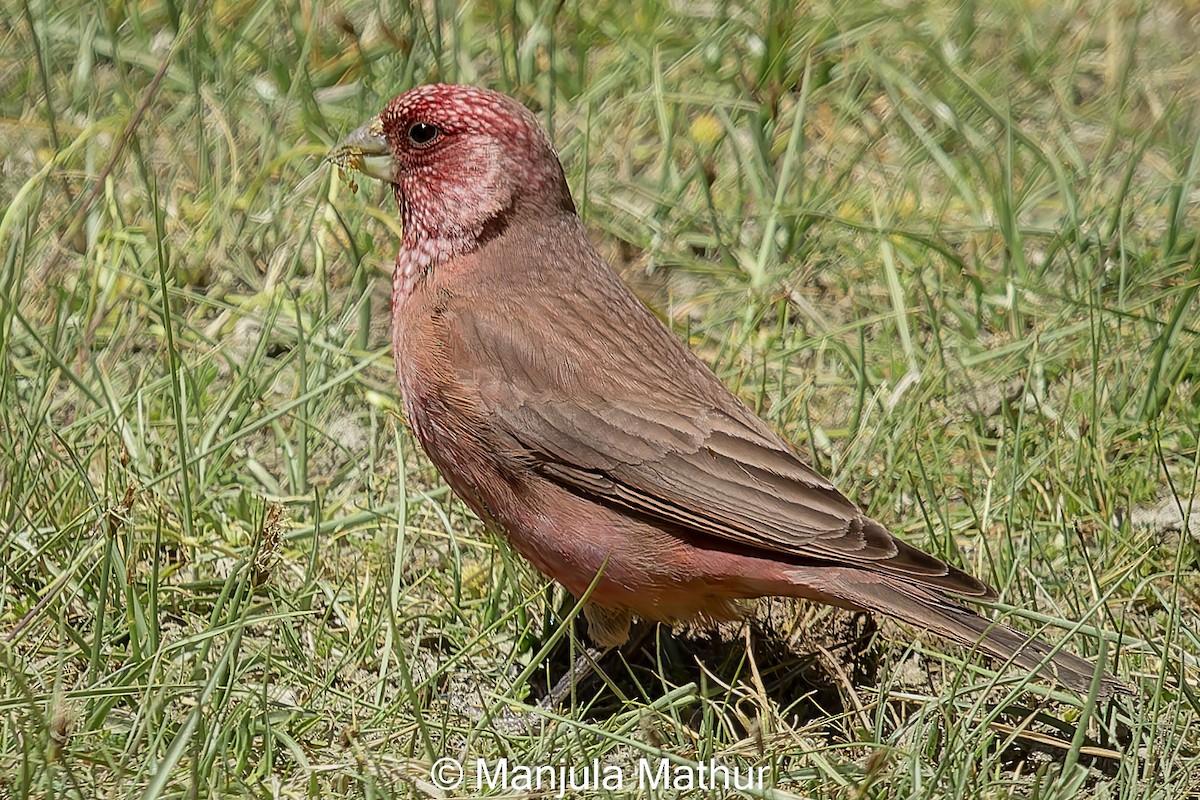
(707, 131)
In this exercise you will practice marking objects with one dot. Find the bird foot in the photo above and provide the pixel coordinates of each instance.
(585, 666)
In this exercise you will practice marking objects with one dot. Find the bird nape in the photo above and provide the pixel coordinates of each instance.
(572, 421)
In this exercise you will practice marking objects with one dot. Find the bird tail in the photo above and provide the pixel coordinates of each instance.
(928, 609)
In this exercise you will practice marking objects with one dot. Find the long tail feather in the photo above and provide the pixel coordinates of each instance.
(925, 608)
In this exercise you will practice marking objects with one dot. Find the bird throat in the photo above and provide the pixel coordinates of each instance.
(420, 255)
(423, 250)
(411, 264)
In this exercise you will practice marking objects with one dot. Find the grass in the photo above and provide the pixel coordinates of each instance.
(949, 249)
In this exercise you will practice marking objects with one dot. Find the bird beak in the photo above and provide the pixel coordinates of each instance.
(366, 150)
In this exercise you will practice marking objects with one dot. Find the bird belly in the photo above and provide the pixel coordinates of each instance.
(656, 573)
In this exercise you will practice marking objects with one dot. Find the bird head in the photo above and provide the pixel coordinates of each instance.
(459, 159)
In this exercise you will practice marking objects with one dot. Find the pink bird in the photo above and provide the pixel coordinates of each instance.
(573, 422)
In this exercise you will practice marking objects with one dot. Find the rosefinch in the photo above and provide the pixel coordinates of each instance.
(568, 417)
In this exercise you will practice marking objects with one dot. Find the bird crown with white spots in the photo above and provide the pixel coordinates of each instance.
(465, 155)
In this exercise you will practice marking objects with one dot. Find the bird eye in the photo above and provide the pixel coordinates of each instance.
(422, 133)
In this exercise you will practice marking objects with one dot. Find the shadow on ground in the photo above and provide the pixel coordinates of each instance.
(815, 684)
(809, 683)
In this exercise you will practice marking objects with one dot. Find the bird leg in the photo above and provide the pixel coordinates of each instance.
(580, 670)
(609, 629)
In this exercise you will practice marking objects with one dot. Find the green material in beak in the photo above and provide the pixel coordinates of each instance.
(366, 151)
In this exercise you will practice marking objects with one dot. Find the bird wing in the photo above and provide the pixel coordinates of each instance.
(634, 419)
(707, 472)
